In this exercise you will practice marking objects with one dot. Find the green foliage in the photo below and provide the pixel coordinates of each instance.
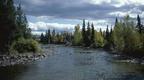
(88, 35)
(126, 38)
(118, 38)
(140, 27)
(93, 43)
(131, 37)
(83, 33)
(77, 36)
(51, 37)
(24, 45)
(99, 40)
(7, 23)
(22, 29)
(13, 24)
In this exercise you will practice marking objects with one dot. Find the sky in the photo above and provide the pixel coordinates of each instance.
(63, 15)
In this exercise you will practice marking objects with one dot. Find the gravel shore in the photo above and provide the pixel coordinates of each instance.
(6, 60)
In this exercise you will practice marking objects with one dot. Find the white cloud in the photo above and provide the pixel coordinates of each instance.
(118, 3)
(132, 12)
(118, 13)
(37, 32)
(100, 1)
(44, 26)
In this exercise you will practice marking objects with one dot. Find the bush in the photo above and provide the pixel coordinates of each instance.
(24, 45)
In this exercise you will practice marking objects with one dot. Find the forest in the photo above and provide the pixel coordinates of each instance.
(126, 37)
(15, 35)
(84, 53)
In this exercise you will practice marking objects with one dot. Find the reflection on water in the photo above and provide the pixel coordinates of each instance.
(69, 63)
(11, 72)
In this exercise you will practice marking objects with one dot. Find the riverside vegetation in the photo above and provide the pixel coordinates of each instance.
(126, 37)
(14, 33)
(15, 36)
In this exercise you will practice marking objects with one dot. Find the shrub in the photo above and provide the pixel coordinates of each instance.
(24, 45)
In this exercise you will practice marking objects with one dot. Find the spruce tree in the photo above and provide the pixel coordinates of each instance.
(107, 33)
(49, 36)
(101, 31)
(88, 35)
(53, 36)
(92, 34)
(7, 23)
(22, 24)
(42, 38)
(83, 33)
(139, 24)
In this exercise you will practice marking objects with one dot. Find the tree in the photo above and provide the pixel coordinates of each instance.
(49, 36)
(22, 24)
(92, 35)
(107, 33)
(83, 33)
(53, 36)
(88, 35)
(131, 36)
(7, 23)
(139, 25)
(101, 31)
(118, 38)
(99, 39)
(107, 39)
(77, 36)
(42, 38)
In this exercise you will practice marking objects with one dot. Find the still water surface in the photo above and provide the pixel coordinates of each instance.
(68, 63)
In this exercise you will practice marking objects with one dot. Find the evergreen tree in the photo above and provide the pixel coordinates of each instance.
(101, 31)
(116, 21)
(107, 39)
(88, 35)
(139, 25)
(53, 36)
(107, 33)
(49, 36)
(22, 24)
(99, 39)
(7, 23)
(92, 34)
(42, 38)
(84, 33)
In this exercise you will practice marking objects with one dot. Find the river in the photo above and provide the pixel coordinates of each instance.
(71, 63)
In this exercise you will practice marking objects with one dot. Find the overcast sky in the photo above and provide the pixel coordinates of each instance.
(65, 14)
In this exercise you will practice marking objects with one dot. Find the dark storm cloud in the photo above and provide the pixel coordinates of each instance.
(77, 9)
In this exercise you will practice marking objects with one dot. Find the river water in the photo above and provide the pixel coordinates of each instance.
(69, 63)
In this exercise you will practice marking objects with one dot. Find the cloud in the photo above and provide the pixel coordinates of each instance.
(79, 9)
(62, 14)
(39, 27)
(42, 26)
(118, 3)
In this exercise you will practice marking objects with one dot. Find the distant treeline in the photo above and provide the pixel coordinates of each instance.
(127, 36)
(51, 37)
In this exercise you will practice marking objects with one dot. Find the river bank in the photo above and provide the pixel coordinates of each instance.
(70, 63)
(7, 60)
(13, 59)
(120, 57)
